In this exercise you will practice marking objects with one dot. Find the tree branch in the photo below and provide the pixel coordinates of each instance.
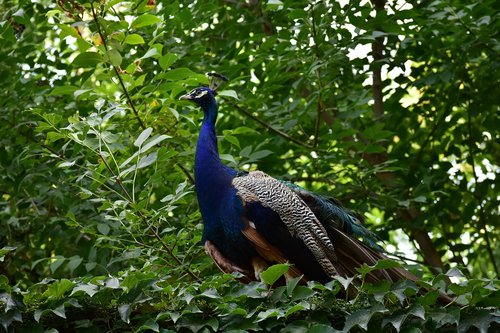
(430, 254)
(482, 215)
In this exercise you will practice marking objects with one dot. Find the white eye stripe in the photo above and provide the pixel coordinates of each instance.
(201, 94)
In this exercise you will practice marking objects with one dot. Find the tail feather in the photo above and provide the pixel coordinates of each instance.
(331, 212)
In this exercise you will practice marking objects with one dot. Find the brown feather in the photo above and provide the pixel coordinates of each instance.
(226, 265)
(269, 253)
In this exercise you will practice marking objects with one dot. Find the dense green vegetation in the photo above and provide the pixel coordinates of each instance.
(390, 107)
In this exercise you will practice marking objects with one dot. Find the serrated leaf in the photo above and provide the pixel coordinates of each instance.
(273, 273)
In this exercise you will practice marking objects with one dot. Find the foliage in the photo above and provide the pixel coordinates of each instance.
(99, 221)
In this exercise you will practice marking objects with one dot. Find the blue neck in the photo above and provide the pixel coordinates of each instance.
(212, 178)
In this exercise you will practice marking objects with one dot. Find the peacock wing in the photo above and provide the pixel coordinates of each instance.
(271, 207)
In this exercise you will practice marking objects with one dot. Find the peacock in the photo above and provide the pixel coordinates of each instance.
(252, 220)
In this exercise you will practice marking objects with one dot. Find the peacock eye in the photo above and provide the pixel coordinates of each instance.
(199, 94)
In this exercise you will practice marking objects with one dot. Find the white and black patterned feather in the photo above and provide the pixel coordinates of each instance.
(293, 211)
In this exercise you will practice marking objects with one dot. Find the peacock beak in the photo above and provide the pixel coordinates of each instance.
(186, 96)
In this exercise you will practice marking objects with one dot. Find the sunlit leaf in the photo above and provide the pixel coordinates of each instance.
(134, 39)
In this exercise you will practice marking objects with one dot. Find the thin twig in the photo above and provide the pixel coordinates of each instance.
(122, 84)
(320, 84)
(266, 125)
(143, 127)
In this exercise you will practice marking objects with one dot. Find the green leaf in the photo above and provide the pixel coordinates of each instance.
(88, 288)
(58, 289)
(429, 298)
(150, 324)
(103, 228)
(74, 262)
(260, 155)
(114, 57)
(60, 311)
(152, 52)
(147, 160)
(143, 136)
(321, 328)
(4, 250)
(273, 273)
(296, 308)
(134, 39)
(291, 284)
(228, 93)
(178, 74)
(145, 20)
(302, 292)
(87, 59)
(362, 317)
(395, 320)
(55, 264)
(63, 90)
(232, 139)
(167, 60)
(68, 31)
(125, 310)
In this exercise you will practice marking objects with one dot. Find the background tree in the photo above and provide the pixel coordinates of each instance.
(390, 107)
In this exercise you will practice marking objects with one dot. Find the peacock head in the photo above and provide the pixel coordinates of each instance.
(203, 96)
